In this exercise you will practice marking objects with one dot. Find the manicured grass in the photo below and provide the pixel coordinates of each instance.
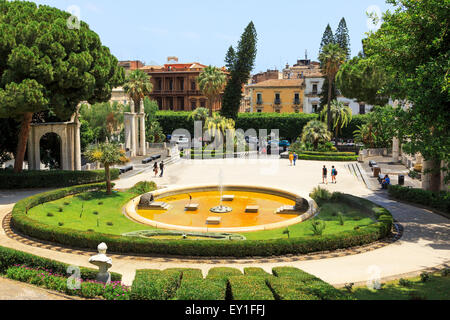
(89, 211)
(98, 212)
(437, 288)
(329, 213)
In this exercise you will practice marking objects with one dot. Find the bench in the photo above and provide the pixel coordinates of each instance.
(126, 169)
(147, 160)
(156, 157)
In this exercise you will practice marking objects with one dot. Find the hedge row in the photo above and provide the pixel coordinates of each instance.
(230, 284)
(332, 154)
(440, 201)
(327, 158)
(51, 179)
(11, 257)
(290, 124)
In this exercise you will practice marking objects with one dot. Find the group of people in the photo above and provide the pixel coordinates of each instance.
(161, 167)
(293, 157)
(334, 174)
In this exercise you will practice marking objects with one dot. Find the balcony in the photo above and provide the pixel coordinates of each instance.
(297, 102)
(277, 101)
(259, 102)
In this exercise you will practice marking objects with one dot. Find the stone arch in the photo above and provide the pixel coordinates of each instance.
(69, 132)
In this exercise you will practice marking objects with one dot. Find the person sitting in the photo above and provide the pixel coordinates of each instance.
(386, 182)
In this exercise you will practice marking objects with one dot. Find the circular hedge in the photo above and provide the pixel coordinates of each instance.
(126, 245)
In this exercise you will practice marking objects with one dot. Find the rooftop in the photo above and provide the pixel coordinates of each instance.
(282, 83)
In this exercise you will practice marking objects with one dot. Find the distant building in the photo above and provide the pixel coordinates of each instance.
(267, 75)
(131, 65)
(281, 96)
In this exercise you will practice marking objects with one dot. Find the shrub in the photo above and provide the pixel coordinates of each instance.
(51, 179)
(223, 274)
(50, 214)
(155, 284)
(203, 289)
(425, 277)
(349, 287)
(405, 283)
(445, 272)
(255, 272)
(290, 272)
(440, 201)
(320, 195)
(284, 289)
(249, 288)
(317, 227)
(10, 258)
(143, 187)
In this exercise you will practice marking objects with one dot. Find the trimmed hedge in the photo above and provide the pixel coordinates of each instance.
(327, 158)
(276, 247)
(155, 284)
(255, 272)
(290, 124)
(284, 289)
(201, 290)
(51, 179)
(331, 154)
(439, 201)
(249, 288)
(11, 257)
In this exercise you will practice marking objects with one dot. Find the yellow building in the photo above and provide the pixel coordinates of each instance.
(281, 96)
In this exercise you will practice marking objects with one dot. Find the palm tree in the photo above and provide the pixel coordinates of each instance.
(218, 125)
(340, 114)
(212, 83)
(137, 86)
(331, 58)
(315, 132)
(199, 114)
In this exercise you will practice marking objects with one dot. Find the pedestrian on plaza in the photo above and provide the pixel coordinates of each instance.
(295, 158)
(155, 169)
(334, 174)
(325, 175)
(161, 166)
(291, 158)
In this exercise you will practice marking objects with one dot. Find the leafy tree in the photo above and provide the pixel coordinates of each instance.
(316, 132)
(212, 82)
(240, 65)
(342, 37)
(199, 114)
(327, 38)
(8, 138)
(108, 154)
(44, 65)
(153, 130)
(331, 58)
(341, 115)
(218, 126)
(362, 79)
(412, 47)
(137, 86)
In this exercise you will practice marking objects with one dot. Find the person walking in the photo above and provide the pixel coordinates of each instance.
(291, 158)
(161, 166)
(325, 175)
(334, 174)
(295, 158)
(155, 169)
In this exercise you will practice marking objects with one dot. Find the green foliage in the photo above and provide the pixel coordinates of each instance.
(137, 86)
(327, 38)
(341, 219)
(51, 179)
(155, 284)
(342, 37)
(304, 245)
(44, 65)
(10, 258)
(425, 277)
(249, 288)
(201, 289)
(143, 187)
(240, 63)
(405, 283)
(211, 83)
(318, 226)
(440, 201)
(320, 195)
(316, 132)
(341, 115)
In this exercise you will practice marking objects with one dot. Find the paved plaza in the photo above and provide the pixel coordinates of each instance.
(425, 242)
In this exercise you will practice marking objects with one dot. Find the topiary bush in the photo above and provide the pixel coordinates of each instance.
(155, 284)
(143, 187)
(249, 288)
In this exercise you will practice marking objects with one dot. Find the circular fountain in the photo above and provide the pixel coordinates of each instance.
(220, 208)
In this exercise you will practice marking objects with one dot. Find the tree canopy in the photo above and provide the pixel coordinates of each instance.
(137, 86)
(44, 65)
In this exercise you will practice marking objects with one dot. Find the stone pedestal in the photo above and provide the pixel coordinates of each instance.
(395, 150)
(103, 263)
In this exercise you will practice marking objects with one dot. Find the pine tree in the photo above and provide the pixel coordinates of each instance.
(240, 64)
(327, 37)
(342, 37)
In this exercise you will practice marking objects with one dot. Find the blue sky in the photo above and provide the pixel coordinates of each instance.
(202, 30)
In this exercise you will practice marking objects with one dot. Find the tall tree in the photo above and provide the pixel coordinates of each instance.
(212, 82)
(137, 86)
(230, 59)
(363, 80)
(316, 132)
(342, 37)
(241, 66)
(412, 47)
(327, 38)
(341, 115)
(331, 58)
(44, 65)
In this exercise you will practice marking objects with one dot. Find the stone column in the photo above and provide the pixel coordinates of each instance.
(130, 132)
(77, 146)
(142, 147)
(395, 150)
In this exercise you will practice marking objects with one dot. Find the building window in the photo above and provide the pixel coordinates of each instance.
(259, 98)
(277, 98)
(297, 99)
(193, 104)
(315, 108)
(362, 109)
(203, 103)
(315, 89)
(193, 86)
(170, 84)
(259, 110)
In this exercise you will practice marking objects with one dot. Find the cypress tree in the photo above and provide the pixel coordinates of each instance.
(240, 64)
(327, 37)
(342, 37)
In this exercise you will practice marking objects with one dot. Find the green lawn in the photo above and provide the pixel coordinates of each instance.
(328, 213)
(437, 288)
(102, 213)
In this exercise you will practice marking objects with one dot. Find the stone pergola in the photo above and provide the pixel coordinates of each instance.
(135, 130)
(68, 132)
